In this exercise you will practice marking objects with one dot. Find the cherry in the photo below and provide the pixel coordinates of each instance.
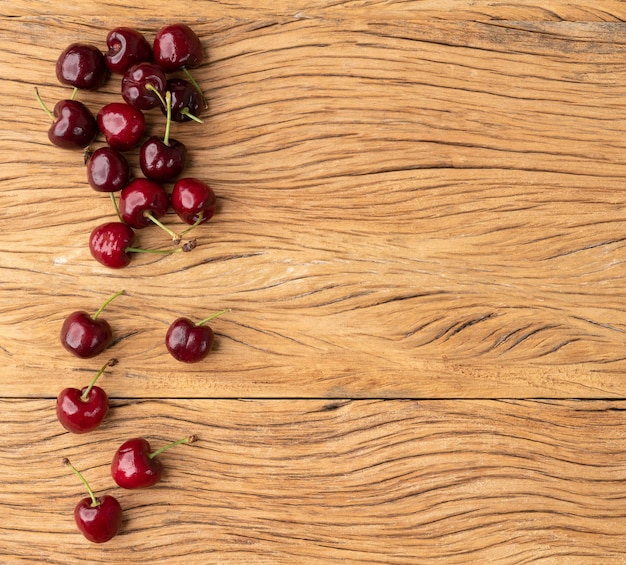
(86, 336)
(126, 47)
(99, 519)
(107, 170)
(185, 100)
(135, 466)
(189, 342)
(81, 411)
(142, 201)
(163, 159)
(193, 200)
(111, 244)
(143, 85)
(175, 47)
(82, 66)
(73, 125)
(122, 125)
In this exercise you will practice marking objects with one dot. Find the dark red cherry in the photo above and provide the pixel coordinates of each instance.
(193, 200)
(135, 465)
(126, 47)
(82, 410)
(86, 335)
(143, 86)
(98, 518)
(186, 100)
(73, 124)
(189, 342)
(161, 161)
(141, 200)
(176, 46)
(107, 170)
(121, 124)
(109, 244)
(82, 66)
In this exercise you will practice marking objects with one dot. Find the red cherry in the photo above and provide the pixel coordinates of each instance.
(73, 125)
(193, 200)
(107, 170)
(135, 466)
(186, 100)
(80, 411)
(126, 47)
(189, 342)
(122, 125)
(98, 519)
(176, 46)
(143, 86)
(111, 245)
(81, 66)
(141, 201)
(86, 336)
(161, 161)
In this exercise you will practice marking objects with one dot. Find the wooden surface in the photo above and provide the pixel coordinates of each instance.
(421, 239)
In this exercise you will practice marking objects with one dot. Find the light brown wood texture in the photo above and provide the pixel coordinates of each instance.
(420, 237)
(331, 481)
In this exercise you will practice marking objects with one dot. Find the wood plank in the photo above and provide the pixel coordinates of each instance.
(406, 210)
(400, 482)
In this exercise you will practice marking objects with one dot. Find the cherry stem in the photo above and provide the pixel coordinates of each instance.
(201, 322)
(115, 205)
(94, 501)
(185, 248)
(192, 226)
(188, 439)
(175, 237)
(168, 120)
(99, 311)
(186, 112)
(110, 363)
(43, 105)
(196, 86)
(74, 93)
(152, 88)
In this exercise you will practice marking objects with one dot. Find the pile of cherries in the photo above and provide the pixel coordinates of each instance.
(147, 83)
(142, 201)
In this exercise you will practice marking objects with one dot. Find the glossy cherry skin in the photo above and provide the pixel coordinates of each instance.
(107, 170)
(108, 244)
(99, 523)
(126, 47)
(85, 337)
(122, 125)
(74, 126)
(81, 416)
(184, 96)
(176, 46)
(192, 197)
(188, 342)
(160, 161)
(142, 196)
(82, 66)
(132, 466)
(135, 82)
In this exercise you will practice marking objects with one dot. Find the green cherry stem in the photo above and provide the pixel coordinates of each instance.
(202, 322)
(188, 439)
(115, 205)
(99, 311)
(196, 85)
(186, 112)
(94, 501)
(192, 226)
(185, 248)
(175, 237)
(168, 120)
(158, 94)
(43, 105)
(74, 92)
(110, 363)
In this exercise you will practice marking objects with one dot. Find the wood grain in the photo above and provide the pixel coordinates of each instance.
(406, 209)
(400, 482)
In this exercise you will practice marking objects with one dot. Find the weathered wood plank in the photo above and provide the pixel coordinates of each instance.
(406, 210)
(399, 482)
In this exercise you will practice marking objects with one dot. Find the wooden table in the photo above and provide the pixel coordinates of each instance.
(421, 241)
